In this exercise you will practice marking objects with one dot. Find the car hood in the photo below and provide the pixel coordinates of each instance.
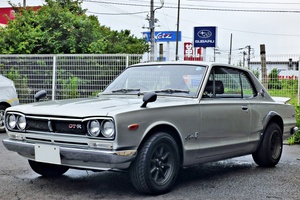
(105, 105)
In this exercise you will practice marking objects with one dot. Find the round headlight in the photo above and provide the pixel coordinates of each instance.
(21, 122)
(11, 121)
(107, 128)
(94, 128)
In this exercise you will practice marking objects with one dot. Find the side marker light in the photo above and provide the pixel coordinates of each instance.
(133, 127)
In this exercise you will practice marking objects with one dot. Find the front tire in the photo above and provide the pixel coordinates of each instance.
(46, 169)
(270, 150)
(156, 166)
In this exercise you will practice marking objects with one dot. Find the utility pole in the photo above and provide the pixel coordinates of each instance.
(230, 51)
(244, 54)
(248, 60)
(152, 29)
(152, 22)
(216, 51)
(177, 33)
(264, 75)
(24, 3)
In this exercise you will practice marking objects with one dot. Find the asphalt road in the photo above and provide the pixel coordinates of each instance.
(237, 178)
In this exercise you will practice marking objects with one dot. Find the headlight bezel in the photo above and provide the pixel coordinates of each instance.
(104, 129)
(102, 132)
(94, 123)
(13, 121)
(21, 122)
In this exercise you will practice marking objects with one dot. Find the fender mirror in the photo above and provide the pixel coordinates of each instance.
(149, 97)
(39, 95)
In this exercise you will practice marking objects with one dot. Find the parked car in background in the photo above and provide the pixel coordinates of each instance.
(8, 98)
(152, 120)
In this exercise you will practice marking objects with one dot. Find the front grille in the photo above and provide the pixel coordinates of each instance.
(37, 125)
(69, 127)
(56, 126)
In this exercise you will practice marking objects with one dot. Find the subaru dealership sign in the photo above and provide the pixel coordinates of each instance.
(163, 36)
(205, 36)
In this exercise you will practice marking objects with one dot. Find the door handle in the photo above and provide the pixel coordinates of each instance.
(245, 108)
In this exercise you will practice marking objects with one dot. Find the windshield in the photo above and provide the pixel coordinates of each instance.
(176, 80)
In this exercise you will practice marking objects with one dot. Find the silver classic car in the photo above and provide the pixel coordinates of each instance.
(152, 120)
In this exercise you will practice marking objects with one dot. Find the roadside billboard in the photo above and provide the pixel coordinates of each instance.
(191, 53)
(205, 36)
(163, 36)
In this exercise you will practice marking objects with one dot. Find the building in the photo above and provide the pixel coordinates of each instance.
(286, 69)
(8, 13)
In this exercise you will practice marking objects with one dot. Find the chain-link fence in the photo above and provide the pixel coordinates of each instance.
(76, 76)
(63, 76)
(279, 74)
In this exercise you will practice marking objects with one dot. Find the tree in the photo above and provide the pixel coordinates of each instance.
(124, 42)
(61, 26)
(274, 82)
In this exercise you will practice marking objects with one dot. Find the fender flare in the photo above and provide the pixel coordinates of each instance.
(271, 116)
(167, 127)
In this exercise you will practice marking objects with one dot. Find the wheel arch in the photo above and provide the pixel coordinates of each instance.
(3, 103)
(272, 117)
(169, 129)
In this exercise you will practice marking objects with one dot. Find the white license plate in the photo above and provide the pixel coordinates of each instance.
(47, 153)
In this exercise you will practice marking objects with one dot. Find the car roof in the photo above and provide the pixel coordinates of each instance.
(174, 63)
(203, 63)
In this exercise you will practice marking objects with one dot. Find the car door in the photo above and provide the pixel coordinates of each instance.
(225, 114)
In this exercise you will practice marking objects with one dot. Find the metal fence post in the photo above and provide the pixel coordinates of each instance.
(127, 60)
(54, 77)
(298, 92)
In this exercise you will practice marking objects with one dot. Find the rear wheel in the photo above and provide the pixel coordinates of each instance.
(2, 127)
(156, 166)
(270, 150)
(46, 169)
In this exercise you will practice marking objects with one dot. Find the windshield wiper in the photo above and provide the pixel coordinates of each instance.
(125, 90)
(171, 91)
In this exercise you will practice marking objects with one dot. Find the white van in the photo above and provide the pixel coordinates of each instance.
(8, 97)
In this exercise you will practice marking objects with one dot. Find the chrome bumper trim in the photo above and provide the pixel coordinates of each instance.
(67, 153)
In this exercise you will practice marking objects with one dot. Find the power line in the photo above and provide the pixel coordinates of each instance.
(250, 32)
(126, 13)
(201, 8)
(248, 2)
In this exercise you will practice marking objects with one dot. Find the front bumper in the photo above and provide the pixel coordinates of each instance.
(77, 157)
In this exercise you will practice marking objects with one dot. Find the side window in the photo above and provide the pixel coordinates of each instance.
(247, 87)
(228, 83)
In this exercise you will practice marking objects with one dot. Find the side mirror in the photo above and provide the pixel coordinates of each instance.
(149, 97)
(39, 95)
